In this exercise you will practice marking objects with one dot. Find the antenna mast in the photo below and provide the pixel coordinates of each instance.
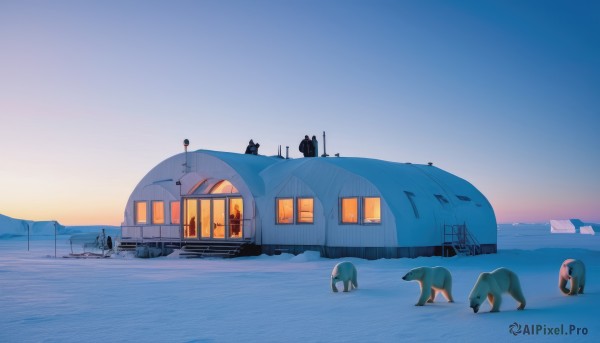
(324, 146)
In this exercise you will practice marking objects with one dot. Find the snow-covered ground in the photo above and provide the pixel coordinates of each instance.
(287, 298)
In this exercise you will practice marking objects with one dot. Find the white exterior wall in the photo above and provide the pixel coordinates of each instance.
(332, 184)
(477, 213)
(383, 234)
(296, 233)
(160, 184)
(292, 234)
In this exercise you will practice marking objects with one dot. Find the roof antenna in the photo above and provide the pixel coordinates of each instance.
(324, 146)
(186, 142)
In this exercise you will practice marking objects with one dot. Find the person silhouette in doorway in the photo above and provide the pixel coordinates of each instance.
(235, 220)
(192, 227)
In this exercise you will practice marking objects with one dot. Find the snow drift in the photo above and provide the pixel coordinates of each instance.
(11, 227)
(287, 298)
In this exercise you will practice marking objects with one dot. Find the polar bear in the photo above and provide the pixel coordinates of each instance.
(492, 285)
(346, 272)
(431, 280)
(573, 270)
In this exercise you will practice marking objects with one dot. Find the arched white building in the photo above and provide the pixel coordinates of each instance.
(339, 206)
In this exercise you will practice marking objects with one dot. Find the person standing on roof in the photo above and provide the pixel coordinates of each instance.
(315, 146)
(305, 146)
(252, 149)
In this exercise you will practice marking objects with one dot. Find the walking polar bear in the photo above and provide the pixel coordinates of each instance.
(573, 270)
(345, 272)
(431, 280)
(492, 285)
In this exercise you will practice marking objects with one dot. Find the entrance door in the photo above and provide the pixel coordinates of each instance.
(236, 216)
(214, 218)
(205, 219)
(218, 218)
(191, 216)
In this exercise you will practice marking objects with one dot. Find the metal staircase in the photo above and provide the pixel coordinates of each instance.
(459, 241)
(127, 246)
(216, 249)
(205, 248)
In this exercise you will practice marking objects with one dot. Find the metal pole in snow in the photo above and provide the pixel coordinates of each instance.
(26, 223)
(55, 223)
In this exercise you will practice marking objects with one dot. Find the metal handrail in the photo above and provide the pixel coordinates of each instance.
(461, 237)
(162, 230)
(140, 237)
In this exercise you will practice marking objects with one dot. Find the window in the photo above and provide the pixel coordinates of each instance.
(223, 187)
(443, 201)
(141, 212)
(158, 212)
(285, 211)
(305, 210)
(349, 210)
(197, 189)
(175, 212)
(371, 210)
(411, 197)
(463, 198)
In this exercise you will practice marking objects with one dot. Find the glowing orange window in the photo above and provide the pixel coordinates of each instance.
(285, 211)
(305, 210)
(372, 210)
(349, 210)
(141, 212)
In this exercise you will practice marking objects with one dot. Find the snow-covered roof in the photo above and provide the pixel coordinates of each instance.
(247, 166)
(390, 178)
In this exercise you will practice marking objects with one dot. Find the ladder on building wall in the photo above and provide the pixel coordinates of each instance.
(459, 241)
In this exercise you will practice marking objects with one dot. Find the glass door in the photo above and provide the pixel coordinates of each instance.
(218, 218)
(214, 218)
(236, 216)
(191, 214)
(205, 221)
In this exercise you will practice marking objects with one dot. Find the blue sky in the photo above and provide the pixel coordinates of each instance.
(93, 94)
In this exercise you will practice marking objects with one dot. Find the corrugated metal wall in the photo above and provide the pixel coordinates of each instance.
(301, 234)
(403, 189)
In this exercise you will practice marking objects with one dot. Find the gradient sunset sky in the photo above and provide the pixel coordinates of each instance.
(505, 94)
